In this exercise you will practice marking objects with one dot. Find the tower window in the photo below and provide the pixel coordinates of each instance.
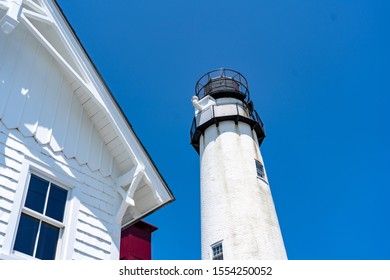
(41, 220)
(217, 251)
(260, 169)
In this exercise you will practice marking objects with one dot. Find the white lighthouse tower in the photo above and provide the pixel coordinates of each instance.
(238, 217)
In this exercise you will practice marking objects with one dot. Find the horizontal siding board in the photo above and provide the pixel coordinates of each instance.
(93, 210)
(2, 235)
(82, 246)
(3, 136)
(93, 221)
(92, 196)
(8, 183)
(5, 204)
(93, 184)
(3, 228)
(4, 216)
(97, 204)
(4, 211)
(16, 155)
(9, 173)
(15, 149)
(97, 189)
(10, 162)
(7, 193)
(110, 190)
(8, 156)
(95, 231)
(93, 240)
(79, 255)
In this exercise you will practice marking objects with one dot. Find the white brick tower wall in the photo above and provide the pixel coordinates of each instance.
(237, 209)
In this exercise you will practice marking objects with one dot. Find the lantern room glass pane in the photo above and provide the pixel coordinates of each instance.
(26, 235)
(47, 243)
(56, 203)
(36, 194)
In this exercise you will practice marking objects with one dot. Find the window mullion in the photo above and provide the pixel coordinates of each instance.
(46, 199)
(43, 218)
(37, 238)
(53, 222)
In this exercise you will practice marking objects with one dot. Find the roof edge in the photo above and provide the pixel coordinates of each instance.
(118, 107)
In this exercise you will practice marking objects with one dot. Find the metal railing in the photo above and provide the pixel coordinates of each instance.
(240, 111)
(227, 80)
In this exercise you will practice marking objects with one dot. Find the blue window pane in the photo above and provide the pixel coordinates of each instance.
(56, 203)
(26, 235)
(36, 194)
(47, 243)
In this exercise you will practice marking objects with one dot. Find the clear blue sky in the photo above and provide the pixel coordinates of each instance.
(319, 76)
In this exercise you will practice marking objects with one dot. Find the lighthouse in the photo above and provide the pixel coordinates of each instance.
(238, 217)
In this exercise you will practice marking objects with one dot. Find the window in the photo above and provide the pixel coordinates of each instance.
(41, 220)
(260, 169)
(217, 251)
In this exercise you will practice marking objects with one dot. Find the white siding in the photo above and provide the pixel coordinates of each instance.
(42, 119)
(10, 167)
(37, 99)
(94, 232)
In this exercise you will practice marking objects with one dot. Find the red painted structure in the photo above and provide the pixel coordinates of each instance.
(136, 242)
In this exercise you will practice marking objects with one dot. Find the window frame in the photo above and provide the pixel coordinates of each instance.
(217, 257)
(42, 217)
(60, 176)
(261, 174)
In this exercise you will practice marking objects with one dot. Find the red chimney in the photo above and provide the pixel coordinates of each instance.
(136, 241)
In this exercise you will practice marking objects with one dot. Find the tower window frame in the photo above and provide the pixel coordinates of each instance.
(260, 171)
(41, 222)
(217, 251)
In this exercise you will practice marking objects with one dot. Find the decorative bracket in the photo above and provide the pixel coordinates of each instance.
(10, 20)
(15, 9)
(136, 174)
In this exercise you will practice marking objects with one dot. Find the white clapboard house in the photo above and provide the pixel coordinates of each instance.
(72, 171)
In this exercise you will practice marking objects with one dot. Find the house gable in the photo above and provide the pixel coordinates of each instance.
(45, 22)
(39, 102)
(52, 95)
